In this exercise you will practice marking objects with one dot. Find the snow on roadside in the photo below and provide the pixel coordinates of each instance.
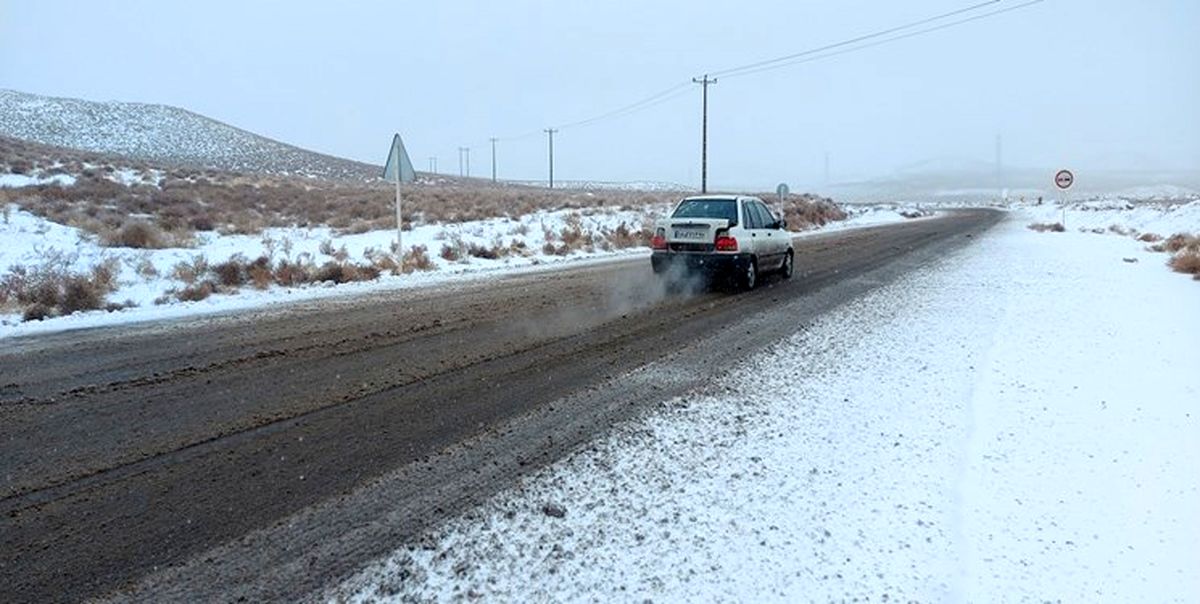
(1015, 423)
(1157, 217)
(26, 180)
(146, 275)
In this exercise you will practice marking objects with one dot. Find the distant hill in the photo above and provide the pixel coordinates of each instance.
(163, 135)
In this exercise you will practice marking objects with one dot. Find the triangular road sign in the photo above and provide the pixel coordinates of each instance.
(398, 161)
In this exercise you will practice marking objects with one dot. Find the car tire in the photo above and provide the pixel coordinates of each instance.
(788, 265)
(749, 277)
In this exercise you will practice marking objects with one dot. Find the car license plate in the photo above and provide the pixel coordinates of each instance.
(691, 234)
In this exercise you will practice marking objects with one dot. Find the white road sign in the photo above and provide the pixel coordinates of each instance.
(1064, 179)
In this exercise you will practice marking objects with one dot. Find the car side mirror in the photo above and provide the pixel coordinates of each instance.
(781, 224)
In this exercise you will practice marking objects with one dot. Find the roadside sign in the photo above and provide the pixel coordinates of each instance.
(398, 169)
(782, 191)
(1064, 179)
(398, 163)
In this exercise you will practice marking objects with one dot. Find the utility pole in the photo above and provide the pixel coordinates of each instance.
(999, 166)
(704, 82)
(551, 131)
(493, 139)
(433, 165)
(460, 160)
(468, 152)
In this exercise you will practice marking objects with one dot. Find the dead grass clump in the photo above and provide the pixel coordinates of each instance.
(808, 211)
(1187, 261)
(1042, 227)
(37, 311)
(232, 272)
(339, 272)
(288, 273)
(1149, 237)
(81, 293)
(135, 234)
(52, 289)
(416, 259)
(624, 237)
(452, 252)
(476, 250)
(189, 272)
(385, 263)
(1178, 242)
(196, 291)
(259, 273)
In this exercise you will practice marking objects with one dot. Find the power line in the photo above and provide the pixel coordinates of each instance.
(809, 59)
(649, 101)
(854, 44)
(733, 70)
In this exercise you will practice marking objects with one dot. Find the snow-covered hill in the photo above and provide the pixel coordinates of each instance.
(163, 135)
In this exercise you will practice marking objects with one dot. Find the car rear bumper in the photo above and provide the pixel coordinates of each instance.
(694, 262)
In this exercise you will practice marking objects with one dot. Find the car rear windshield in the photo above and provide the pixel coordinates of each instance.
(708, 208)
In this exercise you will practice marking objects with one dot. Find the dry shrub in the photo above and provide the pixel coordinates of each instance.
(341, 272)
(189, 272)
(808, 211)
(1149, 237)
(1177, 242)
(135, 234)
(1187, 262)
(1118, 229)
(289, 273)
(416, 259)
(37, 311)
(624, 237)
(104, 274)
(145, 268)
(385, 263)
(1042, 227)
(232, 272)
(482, 251)
(80, 293)
(196, 291)
(260, 274)
(52, 289)
(451, 253)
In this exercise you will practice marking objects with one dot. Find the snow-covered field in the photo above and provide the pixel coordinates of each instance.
(1018, 422)
(146, 276)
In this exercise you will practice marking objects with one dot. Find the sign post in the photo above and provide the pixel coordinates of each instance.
(1063, 179)
(398, 169)
(782, 191)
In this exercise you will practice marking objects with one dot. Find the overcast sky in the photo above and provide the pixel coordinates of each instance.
(1084, 83)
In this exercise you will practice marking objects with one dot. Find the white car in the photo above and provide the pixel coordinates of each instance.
(727, 236)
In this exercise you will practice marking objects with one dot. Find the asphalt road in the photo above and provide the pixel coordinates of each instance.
(268, 454)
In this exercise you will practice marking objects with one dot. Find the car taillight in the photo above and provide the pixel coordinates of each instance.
(659, 240)
(725, 243)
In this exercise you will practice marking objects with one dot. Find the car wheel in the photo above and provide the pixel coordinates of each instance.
(750, 276)
(788, 266)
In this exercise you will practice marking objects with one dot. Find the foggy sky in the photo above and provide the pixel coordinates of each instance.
(1080, 83)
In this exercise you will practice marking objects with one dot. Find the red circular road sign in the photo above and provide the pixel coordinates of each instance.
(1064, 179)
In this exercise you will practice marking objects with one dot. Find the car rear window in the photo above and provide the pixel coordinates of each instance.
(708, 208)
